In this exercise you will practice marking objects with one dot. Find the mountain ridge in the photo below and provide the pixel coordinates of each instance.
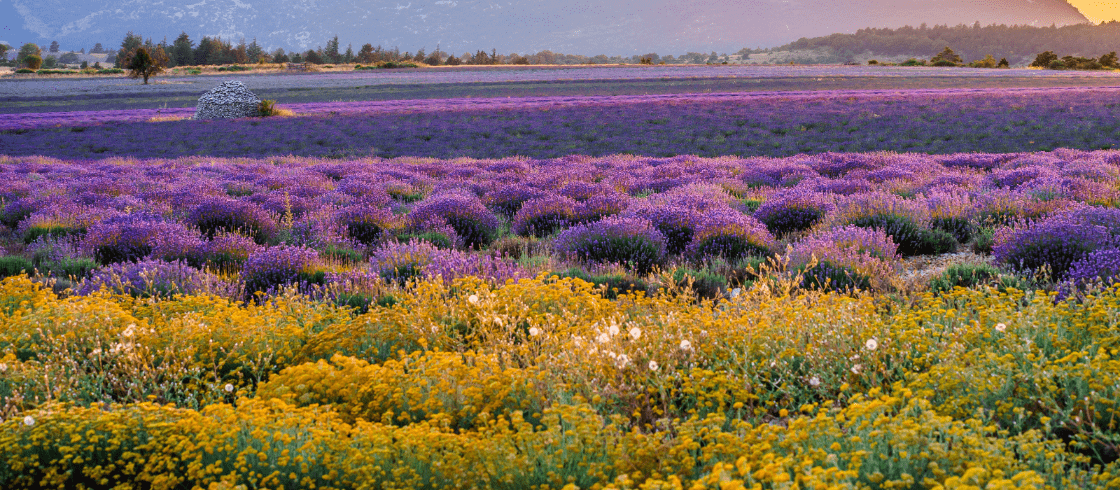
(571, 26)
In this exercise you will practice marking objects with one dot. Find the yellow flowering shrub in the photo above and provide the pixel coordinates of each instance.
(544, 383)
(445, 387)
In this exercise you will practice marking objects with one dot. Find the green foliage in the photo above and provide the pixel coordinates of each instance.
(14, 266)
(267, 108)
(234, 68)
(611, 285)
(947, 57)
(988, 62)
(69, 267)
(342, 254)
(963, 275)
(23, 71)
(705, 283)
(56, 72)
(913, 62)
(33, 62)
(912, 239)
(144, 64)
(1044, 59)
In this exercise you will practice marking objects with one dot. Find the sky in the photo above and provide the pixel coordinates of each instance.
(573, 26)
(1098, 10)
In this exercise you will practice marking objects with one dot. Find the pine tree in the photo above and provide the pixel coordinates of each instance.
(54, 46)
(331, 51)
(349, 56)
(145, 63)
(254, 51)
(129, 45)
(182, 50)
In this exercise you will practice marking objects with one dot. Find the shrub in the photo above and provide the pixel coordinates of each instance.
(25, 71)
(705, 284)
(218, 214)
(1100, 266)
(456, 388)
(600, 206)
(269, 268)
(508, 199)
(70, 267)
(793, 211)
(544, 216)
(366, 224)
(226, 251)
(849, 257)
(400, 262)
(611, 285)
(953, 214)
(131, 237)
(1055, 242)
(154, 278)
(632, 242)
(903, 220)
(12, 265)
(475, 225)
(676, 223)
(730, 235)
(963, 275)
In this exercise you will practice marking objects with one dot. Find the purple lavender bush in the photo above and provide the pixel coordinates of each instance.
(905, 220)
(1055, 242)
(132, 237)
(1098, 267)
(226, 251)
(231, 215)
(475, 225)
(367, 224)
(270, 268)
(402, 261)
(793, 211)
(676, 223)
(507, 200)
(731, 235)
(847, 258)
(155, 278)
(632, 242)
(544, 216)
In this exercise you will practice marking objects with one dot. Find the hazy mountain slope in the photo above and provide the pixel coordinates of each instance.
(574, 26)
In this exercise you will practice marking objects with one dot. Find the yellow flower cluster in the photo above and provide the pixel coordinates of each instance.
(545, 383)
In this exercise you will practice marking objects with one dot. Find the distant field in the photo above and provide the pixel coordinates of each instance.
(87, 94)
(743, 124)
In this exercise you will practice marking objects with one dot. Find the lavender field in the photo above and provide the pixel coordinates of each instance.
(751, 124)
(907, 286)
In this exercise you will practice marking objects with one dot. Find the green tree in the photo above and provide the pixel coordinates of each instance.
(144, 64)
(254, 51)
(29, 49)
(1044, 59)
(33, 62)
(1109, 60)
(129, 45)
(54, 47)
(366, 54)
(69, 59)
(97, 49)
(182, 51)
(4, 48)
(1003, 63)
(313, 57)
(330, 53)
(279, 56)
(50, 62)
(947, 57)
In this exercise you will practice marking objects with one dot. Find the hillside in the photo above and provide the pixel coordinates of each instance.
(1019, 44)
(612, 27)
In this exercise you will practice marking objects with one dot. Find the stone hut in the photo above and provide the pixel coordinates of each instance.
(227, 101)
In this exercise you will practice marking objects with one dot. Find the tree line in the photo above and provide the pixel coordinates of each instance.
(1012, 42)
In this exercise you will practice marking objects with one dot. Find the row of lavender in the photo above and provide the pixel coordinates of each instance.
(842, 219)
(758, 124)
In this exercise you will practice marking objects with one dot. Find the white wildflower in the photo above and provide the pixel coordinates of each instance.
(29, 421)
(871, 344)
(623, 360)
(635, 333)
(653, 366)
(856, 368)
(229, 388)
(129, 330)
(814, 381)
(3, 367)
(613, 330)
(736, 292)
(686, 345)
(473, 299)
(1001, 327)
(604, 338)
(534, 331)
